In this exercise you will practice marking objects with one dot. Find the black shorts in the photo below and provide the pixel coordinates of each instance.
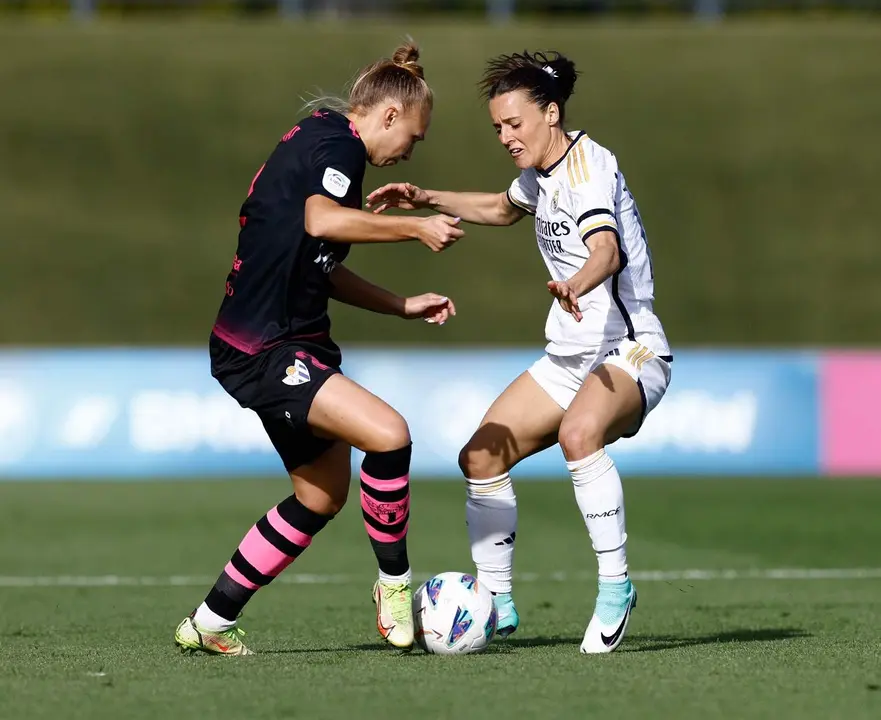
(279, 384)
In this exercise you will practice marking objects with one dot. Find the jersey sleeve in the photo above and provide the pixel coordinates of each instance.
(523, 192)
(592, 193)
(338, 164)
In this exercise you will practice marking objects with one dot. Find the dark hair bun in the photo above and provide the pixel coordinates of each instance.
(562, 69)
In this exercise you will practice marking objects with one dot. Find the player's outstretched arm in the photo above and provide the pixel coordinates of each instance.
(473, 207)
(604, 261)
(330, 221)
(351, 289)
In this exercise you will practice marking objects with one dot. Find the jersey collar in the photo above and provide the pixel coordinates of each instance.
(547, 171)
(333, 115)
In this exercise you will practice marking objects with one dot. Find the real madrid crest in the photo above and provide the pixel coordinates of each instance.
(555, 200)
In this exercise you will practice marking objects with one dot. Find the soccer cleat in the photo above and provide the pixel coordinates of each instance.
(394, 613)
(615, 602)
(509, 618)
(193, 639)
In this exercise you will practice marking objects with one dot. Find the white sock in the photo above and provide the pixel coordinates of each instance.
(395, 579)
(209, 620)
(600, 498)
(491, 515)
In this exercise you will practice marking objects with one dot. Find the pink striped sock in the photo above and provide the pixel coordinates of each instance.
(271, 545)
(385, 506)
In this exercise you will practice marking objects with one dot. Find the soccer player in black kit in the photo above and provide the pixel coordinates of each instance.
(271, 348)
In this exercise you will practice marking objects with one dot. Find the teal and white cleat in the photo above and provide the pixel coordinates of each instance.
(191, 638)
(615, 602)
(509, 618)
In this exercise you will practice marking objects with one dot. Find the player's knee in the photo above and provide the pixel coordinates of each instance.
(478, 463)
(331, 506)
(391, 433)
(336, 501)
(465, 461)
(580, 437)
(334, 505)
(324, 503)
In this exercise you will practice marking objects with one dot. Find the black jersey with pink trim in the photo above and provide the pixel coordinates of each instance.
(278, 288)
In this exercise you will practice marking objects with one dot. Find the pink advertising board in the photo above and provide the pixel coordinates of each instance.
(850, 413)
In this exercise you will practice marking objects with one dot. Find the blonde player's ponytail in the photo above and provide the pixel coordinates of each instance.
(400, 78)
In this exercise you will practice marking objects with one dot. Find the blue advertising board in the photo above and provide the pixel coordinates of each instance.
(118, 413)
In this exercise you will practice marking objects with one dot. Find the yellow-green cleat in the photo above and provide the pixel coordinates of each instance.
(191, 638)
(394, 613)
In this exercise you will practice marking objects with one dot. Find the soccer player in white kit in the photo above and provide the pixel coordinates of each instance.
(607, 361)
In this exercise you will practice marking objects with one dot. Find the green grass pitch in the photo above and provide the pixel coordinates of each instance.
(747, 644)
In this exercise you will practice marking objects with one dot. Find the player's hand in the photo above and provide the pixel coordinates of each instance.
(405, 196)
(566, 297)
(432, 308)
(439, 232)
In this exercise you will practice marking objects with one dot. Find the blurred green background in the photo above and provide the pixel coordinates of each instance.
(752, 148)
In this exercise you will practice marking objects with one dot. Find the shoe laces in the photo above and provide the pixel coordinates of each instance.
(234, 633)
(396, 595)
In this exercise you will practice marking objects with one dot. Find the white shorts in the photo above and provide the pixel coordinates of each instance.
(561, 377)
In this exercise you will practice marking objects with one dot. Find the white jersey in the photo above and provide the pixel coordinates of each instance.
(581, 194)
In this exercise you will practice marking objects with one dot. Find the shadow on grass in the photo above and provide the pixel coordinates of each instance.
(633, 643)
(372, 647)
(511, 644)
(499, 646)
(654, 643)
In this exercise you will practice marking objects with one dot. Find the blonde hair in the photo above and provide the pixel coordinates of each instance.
(400, 77)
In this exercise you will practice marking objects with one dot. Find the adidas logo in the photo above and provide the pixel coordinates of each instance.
(508, 540)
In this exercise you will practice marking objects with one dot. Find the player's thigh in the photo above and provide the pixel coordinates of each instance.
(615, 399)
(521, 422)
(295, 443)
(607, 404)
(323, 484)
(343, 410)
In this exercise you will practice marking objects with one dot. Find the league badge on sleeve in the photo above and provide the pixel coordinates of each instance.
(336, 183)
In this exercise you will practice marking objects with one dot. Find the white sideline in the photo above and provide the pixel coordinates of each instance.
(31, 581)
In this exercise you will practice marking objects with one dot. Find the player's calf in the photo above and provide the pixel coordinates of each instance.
(491, 517)
(385, 506)
(600, 498)
(270, 546)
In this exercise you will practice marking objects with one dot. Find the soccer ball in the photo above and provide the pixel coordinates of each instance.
(453, 614)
